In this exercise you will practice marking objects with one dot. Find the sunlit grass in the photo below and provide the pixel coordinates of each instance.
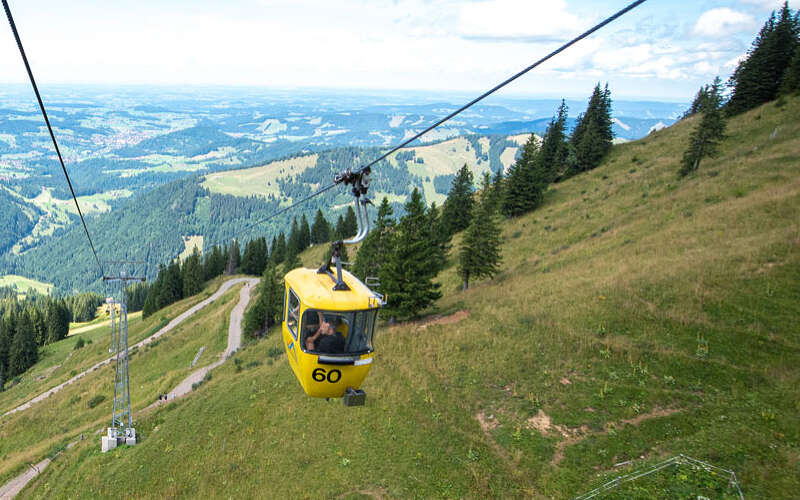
(155, 369)
(644, 316)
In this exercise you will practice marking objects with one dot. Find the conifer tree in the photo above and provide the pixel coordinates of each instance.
(551, 162)
(172, 287)
(56, 321)
(375, 248)
(339, 231)
(479, 254)
(321, 229)
(213, 263)
(294, 245)
(266, 310)
(439, 239)
(192, 274)
(497, 192)
(790, 82)
(255, 256)
(592, 136)
(278, 253)
(23, 352)
(458, 205)
(407, 276)
(699, 102)
(304, 237)
(350, 225)
(706, 137)
(151, 302)
(757, 78)
(6, 333)
(39, 327)
(520, 193)
(234, 256)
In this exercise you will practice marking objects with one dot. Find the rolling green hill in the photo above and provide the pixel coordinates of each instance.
(220, 206)
(637, 317)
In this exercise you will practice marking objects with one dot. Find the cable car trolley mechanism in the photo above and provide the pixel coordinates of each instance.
(329, 316)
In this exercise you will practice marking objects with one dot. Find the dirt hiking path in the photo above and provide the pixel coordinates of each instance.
(13, 487)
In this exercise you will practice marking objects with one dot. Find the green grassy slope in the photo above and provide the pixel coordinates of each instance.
(29, 435)
(637, 317)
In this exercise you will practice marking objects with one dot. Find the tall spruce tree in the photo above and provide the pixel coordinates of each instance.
(339, 231)
(192, 274)
(497, 190)
(278, 252)
(294, 244)
(551, 162)
(6, 334)
(23, 352)
(592, 136)
(790, 82)
(266, 310)
(407, 275)
(520, 194)
(375, 249)
(321, 229)
(305, 233)
(458, 205)
(479, 254)
(758, 77)
(350, 225)
(705, 138)
(172, 287)
(254, 258)
(234, 256)
(213, 263)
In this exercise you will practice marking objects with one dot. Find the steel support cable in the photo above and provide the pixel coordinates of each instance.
(50, 129)
(481, 97)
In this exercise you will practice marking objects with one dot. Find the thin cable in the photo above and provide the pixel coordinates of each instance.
(507, 81)
(50, 129)
(481, 97)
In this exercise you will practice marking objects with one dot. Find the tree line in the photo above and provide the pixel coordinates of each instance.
(769, 70)
(26, 325)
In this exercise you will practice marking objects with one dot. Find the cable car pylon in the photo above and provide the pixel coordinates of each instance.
(121, 430)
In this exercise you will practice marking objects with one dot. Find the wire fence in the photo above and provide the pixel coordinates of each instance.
(677, 461)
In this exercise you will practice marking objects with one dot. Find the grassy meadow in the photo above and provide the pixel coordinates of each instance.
(29, 435)
(24, 284)
(638, 316)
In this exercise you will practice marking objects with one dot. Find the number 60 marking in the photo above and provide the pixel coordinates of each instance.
(332, 376)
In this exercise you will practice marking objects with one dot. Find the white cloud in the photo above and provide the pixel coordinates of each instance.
(723, 21)
(518, 19)
(764, 4)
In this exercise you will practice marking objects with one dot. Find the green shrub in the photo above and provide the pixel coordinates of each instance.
(79, 344)
(96, 400)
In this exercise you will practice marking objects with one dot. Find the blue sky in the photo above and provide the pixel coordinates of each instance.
(663, 49)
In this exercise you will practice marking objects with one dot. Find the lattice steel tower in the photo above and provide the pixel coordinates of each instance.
(111, 303)
(121, 430)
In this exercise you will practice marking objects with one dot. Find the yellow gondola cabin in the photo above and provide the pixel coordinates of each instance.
(328, 326)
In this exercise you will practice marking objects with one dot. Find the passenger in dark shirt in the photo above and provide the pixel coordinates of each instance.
(326, 339)
(332, 344)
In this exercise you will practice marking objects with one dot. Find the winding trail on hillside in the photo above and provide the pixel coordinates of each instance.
(170, 326)
(234, 343)
(13, 487)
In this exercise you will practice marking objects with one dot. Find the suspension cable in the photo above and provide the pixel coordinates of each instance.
(481, 97)
(50, 129)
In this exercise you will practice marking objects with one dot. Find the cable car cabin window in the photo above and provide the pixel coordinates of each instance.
(336, 332)
(292, 313)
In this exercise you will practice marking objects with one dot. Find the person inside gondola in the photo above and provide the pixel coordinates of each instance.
(326, 339)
